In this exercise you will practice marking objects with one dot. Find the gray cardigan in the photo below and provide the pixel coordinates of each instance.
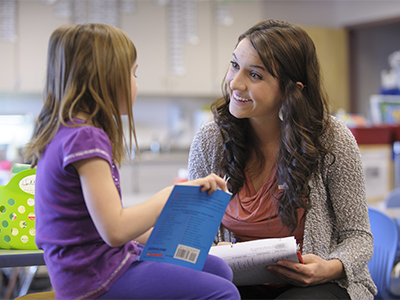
(337, 225)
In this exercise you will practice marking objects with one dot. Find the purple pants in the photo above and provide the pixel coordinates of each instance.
(154, 280)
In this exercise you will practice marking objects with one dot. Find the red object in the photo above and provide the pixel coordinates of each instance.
(396, 133)
(374, 135)
(179, 180)
(5, 165)
(154, 254)
(300, 257)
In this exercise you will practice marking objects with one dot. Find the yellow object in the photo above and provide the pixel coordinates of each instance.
(38, 296)
(17, 215)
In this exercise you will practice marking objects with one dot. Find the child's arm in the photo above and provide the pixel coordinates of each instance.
(118, 225)
(142, 239)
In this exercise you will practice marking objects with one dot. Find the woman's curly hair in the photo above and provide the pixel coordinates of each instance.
(289, 55)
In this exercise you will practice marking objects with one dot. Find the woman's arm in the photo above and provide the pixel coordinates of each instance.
(346, 189)
(206, 152)
(118, 225)
(340, 200)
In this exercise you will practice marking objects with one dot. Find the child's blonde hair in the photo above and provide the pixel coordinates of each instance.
(88, 70)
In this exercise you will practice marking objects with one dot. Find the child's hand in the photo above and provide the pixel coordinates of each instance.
(209, 183)
(223, 243)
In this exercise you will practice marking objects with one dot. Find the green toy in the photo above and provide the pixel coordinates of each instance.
(17, 214)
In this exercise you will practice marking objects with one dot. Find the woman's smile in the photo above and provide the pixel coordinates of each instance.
(240, 99)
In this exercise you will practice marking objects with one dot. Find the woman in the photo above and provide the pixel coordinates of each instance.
(293, 168)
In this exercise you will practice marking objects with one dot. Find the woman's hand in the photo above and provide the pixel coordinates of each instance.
(209, 183)
(315, 270)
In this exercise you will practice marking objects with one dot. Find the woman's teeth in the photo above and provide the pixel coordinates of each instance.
(241, 99)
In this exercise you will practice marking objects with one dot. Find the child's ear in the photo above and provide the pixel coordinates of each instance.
(300, 85)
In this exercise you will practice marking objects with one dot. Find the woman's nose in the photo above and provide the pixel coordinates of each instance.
(237, 82)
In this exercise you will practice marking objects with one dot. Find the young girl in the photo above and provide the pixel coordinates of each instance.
(86, 234)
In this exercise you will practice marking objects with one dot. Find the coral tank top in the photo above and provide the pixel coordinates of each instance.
(252, 215)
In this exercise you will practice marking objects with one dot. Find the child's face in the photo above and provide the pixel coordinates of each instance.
(134, 85)
(134, 88)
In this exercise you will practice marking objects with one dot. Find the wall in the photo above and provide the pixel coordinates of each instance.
(331, 13)
(166, 101)
(23, 62)
(371, 48)
(372, 45)
(332, 50)
(353, 12)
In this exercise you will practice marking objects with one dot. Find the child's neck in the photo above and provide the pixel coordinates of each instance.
(82, 115)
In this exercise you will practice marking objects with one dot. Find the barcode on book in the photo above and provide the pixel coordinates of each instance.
(187, 253)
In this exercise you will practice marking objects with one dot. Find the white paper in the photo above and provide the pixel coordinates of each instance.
(248, 260)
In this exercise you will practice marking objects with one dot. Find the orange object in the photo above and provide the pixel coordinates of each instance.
(178, 180)
(300, 257)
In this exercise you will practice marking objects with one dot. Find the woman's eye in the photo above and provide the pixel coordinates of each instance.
(256, 76)
(234, 64)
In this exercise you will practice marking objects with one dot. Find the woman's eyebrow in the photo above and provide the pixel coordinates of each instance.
(261, 67)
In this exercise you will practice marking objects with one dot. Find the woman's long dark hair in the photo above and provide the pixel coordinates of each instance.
(289, 55)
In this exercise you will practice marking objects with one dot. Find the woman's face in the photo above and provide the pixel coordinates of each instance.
(254, 93)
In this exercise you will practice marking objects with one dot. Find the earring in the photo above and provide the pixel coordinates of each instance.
(280, 114)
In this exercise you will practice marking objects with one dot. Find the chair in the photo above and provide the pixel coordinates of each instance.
(393, 198)
(20, 258)
(380, 266)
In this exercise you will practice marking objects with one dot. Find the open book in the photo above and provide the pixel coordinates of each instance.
(248, 260)
(186, 227)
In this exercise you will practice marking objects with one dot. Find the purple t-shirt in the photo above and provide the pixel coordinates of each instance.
(80, 264)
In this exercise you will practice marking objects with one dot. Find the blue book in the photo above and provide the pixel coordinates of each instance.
(186, 227)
